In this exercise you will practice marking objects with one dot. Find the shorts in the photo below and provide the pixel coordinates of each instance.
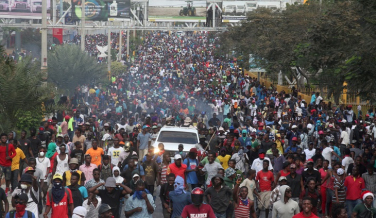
(6, 171)
(264, 201)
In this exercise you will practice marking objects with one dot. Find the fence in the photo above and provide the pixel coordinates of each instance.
(347, 98)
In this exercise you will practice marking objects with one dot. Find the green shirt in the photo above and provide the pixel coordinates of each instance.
(205, 160)
(361, 211)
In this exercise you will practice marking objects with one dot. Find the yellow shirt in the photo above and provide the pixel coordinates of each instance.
(16, 159)
(224, 160)
(67, 175)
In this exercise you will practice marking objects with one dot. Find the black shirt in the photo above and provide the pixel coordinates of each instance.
(24, 146)
(165, 190)
(112, 199)
(315, 174)
(294, 184)
(34, 145)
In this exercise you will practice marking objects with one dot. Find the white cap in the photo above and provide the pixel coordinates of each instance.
(343, 121)
(177, 156)
(294, 127)
(309, 126)
(221, 129)
(81, 211)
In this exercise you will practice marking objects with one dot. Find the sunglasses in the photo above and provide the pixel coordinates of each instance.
(18, 202)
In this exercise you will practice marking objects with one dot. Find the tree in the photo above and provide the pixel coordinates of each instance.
(21, 91)
(69, 67)
(117, 68)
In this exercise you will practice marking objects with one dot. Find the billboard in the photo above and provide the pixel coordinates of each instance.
(177, 10)
(101, 10)
(23, 8)
(237, 10)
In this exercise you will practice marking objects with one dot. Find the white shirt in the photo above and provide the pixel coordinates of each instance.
(327, 154)
(318, 99)
(309, 153)
(92, 211)
(346, 162)
(114, 153)
(258, 166)
(345, 138)
(43, 164)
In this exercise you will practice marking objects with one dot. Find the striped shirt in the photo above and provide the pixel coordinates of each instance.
(341, 189)
(163, 174)
(242, 211)
(370, 181)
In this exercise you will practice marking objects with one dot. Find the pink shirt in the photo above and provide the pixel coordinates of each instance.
(88, 171)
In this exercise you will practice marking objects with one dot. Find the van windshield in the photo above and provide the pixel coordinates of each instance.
(178, 137)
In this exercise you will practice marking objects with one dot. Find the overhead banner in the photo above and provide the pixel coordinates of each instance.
(101, 10)
(22, 8)
(58, 34)
(176, 10)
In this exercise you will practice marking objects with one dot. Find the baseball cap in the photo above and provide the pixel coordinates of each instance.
(80, 210)
(110, 182)
(29, 169)
(261, 151)
(194, 150)
(294, 139)
(221, 129)
(57, 176)
(294, 127)
(135, 175)
(104, 208)
(177, 156)
(321, 132)
(26, 178)
(309, 161)
(106, 124)
(22, 196)
(282, 178)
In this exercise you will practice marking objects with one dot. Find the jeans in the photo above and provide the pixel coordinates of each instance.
(220, 215)
(14, 179)
(329, 197)
(350, 204)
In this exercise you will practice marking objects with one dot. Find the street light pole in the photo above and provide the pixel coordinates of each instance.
(44, 41)
(83, 25)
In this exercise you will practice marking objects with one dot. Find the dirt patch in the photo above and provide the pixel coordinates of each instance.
(173, 11)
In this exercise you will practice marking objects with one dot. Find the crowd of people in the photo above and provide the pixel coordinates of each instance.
(261, 152)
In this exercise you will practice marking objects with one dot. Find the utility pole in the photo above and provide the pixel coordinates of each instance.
(82, 25)
(128, 55)
(44, 41)
(120, 44)
(109, 54)
(213, 8)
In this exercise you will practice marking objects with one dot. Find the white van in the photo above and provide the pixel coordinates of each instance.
(172, 136)
(250, 6)
(240, 10)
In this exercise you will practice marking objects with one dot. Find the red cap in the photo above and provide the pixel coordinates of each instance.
(350, 106)
(367, 115)
(321, 132)
(67, 117)
(294, 139)
(194, 150)
(310, 161)
(28, 169)
(49, 120)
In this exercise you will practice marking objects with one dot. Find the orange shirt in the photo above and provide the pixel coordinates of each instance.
(96, 155)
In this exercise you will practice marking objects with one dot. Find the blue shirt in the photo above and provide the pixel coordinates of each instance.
(191, 176)
(24, 216)
(144, 140)
(131, 204)
(179, 202)
(142, 171)
(290, 148)
(158, 159)
(83, 191)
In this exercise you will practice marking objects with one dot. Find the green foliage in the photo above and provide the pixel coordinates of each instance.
(69, 67)
(29, 119)
(117, 68)
(21, 91)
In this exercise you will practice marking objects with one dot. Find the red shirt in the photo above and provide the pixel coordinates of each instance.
(11, 153)
(265, 180)
(178, 171)
(301, 215)
(354, 187)
(60, 210)
(191, 211)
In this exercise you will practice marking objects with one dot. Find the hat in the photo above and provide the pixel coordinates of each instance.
(268, 127)
(154, 127)
(294, 127)
(309, 126)
(321, 132)
(135, 175)
(244, 131)
(22, 196)
(57, 176)
(193, 150)
(343, 121)
(148, 115)
(309, 161)
(80, 210)
(73, 161)
(67, 117)
(221, 129)
(87, 123)
(294, 139)
(110, 182)
(29, 169)
(340, 171)
(26, 178)
(365, 194)
(104, 208)
(144, 126)
(229, 172)
(59, 135)
(177, 156)
(282, 178)
(330, 125)
(187, 120)
(49, 120)
(261, 151)
(106, 124)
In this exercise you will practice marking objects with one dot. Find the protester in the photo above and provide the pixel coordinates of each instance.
(141, 204)
(285, 207)
(20, 201)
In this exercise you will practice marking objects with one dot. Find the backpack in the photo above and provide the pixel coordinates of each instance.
(66, 192)
(39, 201)
(200, 178)
(76, 196)
(12, 213)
